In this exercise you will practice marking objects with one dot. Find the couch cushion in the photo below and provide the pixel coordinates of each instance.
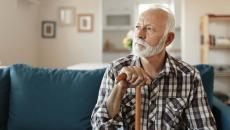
(4, 96)
(207, 76)
(52, 99)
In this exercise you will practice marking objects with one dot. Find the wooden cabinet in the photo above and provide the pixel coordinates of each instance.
(215, 42)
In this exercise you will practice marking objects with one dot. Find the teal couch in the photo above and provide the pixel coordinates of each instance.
(57, 99)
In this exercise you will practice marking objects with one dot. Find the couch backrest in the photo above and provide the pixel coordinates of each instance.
(52, 99)
(57, 99)
(207, 76)
(4, 96)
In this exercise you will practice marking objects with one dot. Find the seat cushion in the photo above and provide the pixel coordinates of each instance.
(207, 76)
(52, 99)
(4, 96)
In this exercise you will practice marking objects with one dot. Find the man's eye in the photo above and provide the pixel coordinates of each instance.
(150, 29)
(137, 27)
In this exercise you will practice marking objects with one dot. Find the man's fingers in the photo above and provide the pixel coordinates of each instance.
(136, 76)
(128, 72)
(133, 78)
(140, 81)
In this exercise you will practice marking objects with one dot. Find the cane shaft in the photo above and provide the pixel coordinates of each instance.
(138, 109)
(123, 76)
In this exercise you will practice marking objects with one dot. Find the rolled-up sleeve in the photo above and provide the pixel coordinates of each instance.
(100, 119)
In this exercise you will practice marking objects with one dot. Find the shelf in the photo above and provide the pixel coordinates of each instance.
(220, 47)
(225, 18)
(222, 74)
(211, 45)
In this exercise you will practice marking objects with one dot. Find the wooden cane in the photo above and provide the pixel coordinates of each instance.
(123, 76)
(138, 108)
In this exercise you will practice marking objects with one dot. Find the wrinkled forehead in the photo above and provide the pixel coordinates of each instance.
(153, 16)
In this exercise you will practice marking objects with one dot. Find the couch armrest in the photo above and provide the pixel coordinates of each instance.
(222, 114)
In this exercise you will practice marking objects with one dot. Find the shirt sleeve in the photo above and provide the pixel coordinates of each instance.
(99, 118)
(198, 113)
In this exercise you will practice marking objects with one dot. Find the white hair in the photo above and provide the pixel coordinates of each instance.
(170, 26)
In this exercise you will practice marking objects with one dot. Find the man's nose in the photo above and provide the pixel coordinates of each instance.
(141, 33)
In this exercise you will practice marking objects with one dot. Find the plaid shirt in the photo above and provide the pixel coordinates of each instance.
(174, 100)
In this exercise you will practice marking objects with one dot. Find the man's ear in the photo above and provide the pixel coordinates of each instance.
(170, 38)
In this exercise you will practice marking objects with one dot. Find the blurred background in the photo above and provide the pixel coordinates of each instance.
(64, 33)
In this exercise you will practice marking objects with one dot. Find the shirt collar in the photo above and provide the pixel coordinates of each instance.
(136, 61)
(170, 65)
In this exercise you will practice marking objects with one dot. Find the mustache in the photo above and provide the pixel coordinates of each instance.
(140, 41)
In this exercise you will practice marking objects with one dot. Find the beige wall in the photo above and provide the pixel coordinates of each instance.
(20, 40)
(70, 46)
(192, 11)
(18, 32)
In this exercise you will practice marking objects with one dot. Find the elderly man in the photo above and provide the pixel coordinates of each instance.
(172, 93)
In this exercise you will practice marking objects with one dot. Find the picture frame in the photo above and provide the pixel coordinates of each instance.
(85, 22)
(66, 16)
(48, 29)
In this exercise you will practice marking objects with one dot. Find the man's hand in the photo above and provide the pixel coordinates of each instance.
(136, 76)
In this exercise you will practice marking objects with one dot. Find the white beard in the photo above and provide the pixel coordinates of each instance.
(147, 50)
